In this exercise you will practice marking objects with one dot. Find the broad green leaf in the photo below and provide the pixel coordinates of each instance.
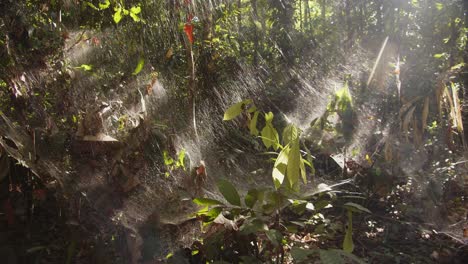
(252, 226)
(104, 4)
(206, 201)
(253, 124)
(236, 109)
(348, 245)
(251, 198)
(252, 109)
(354, 207)
(117, 15)
(294, 160)
(274, 236)
(279, 169)
(290, 133)
(139, 66)
(440, 55)
(229, 192)
(303, 171)
(270, 136)
(233, 111)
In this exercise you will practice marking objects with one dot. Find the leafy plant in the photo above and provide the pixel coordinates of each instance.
(258, 225)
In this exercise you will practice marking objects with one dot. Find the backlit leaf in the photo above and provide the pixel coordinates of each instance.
(236, 109)
(139, 66)
(253, 124)
(206, 201)
(294, 160)
(270, 136)
(104, 4)
(279, 169)
(117, 15)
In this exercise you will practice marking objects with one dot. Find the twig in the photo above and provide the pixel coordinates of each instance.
(76, 43)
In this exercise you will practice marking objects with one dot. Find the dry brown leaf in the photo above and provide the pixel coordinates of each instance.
(417, 135)
(439, 96)
(425, 114)
(407, 106)
(457, 110)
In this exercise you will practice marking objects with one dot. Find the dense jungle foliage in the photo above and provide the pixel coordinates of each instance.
(233, 131)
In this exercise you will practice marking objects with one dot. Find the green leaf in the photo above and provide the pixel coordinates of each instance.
(139, 66)
(134, 11)
(181, 159)
(117, 15)
(274, 236)
(348, 245)
(251, 198)
(206, 201)
(440, 55)
(252, 109)
(167, 158)
(253, 124)
(458, 66)
(229, 192)
(85, 67)
(104, 4)
(270, 136)
(279, 169)
(439, 6)
(269, 117)
(290, 133)
(294, 160)
(303, 171)
(235, 110)
(354, 207)
(91, 5)
(252, 226)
